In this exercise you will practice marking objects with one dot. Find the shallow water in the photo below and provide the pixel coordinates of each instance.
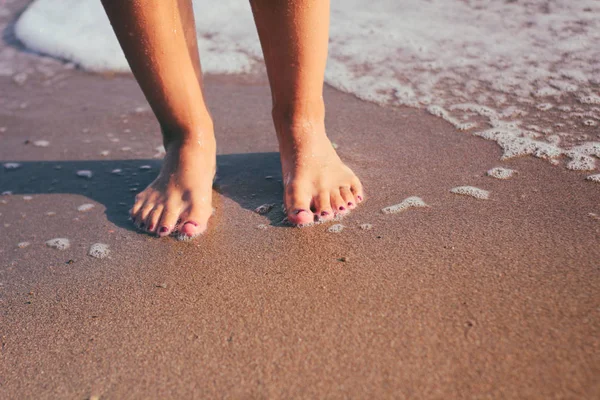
(525, 74)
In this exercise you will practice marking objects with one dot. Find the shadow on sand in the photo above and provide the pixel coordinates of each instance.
(249, 179)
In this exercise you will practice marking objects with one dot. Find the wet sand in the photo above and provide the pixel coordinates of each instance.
(466, 298)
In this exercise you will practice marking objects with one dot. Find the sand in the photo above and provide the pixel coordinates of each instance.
(462, 299)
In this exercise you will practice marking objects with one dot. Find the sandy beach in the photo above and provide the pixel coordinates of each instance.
(465, 298)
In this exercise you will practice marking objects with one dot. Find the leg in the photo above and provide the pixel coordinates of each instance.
(159, 41)
(294, 35)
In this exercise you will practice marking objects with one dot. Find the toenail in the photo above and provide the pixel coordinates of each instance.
(342, 208)
(164, 229)
(324, 213)
(151, 227)
(350, 204)
(296, 212)
(191, 222)
(359, 198)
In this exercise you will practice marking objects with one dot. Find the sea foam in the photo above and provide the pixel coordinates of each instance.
(488, 67)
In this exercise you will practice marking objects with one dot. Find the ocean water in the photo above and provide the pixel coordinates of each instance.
(525, 74)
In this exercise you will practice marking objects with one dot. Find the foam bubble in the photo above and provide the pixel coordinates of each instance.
(59, 243)
(50, 213)
(22, 245)
(7, 193)
(145, 167)
(85, 173)
(41, 143)
(594, 178)
(27, 198)
(116, 171)
(366, 227)
(104, 153)
(501, 173)
(11, 166)
(337, 228)
(262, 226)
(85, 207)
(99, 250)
(264, 209)
(472, 191)
(407, 203)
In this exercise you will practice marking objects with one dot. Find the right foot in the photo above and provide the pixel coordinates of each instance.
(180, 198)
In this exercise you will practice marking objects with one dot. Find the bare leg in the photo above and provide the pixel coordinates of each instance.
(159, 41)
(294, 35)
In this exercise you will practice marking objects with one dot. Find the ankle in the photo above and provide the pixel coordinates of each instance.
(298, 113)
(200, 134)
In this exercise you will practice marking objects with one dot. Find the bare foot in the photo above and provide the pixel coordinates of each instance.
(180, 198)
(317, 184)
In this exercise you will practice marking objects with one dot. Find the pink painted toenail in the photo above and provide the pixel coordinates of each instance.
(359, 198)
(350, 204)
(296, 212)
(342, 208)
(164, 229)
(151, 228)
(324, 213)
(191, 222)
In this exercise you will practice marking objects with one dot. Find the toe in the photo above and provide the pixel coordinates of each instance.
(195, 221)
(140, 199)
(337, 203)
(168, 220)
(322, 206)
(357, 190)
(348, 197)
(297, 203)
(154, 218)
(143, 215)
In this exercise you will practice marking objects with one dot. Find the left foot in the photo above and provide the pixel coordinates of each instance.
(317, 184)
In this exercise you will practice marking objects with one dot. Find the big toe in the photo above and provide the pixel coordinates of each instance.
(195, 222)
(191, 229)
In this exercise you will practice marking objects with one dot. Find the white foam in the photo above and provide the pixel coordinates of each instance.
(594, 178)
(22, 245)
(11, 166)
(116, 171)
(85, 207)
(264, 209)
(407, 203)
(104, 153)
(366, 227)
(99, 250)
(59, 243)
(472, 191)
(85, 173)
(50, 213)
(27, 198)
(337, 228)
(7, 193)
(145, 167)
(41, 143)
(501, 173)
(262, 226)
(507, 59)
